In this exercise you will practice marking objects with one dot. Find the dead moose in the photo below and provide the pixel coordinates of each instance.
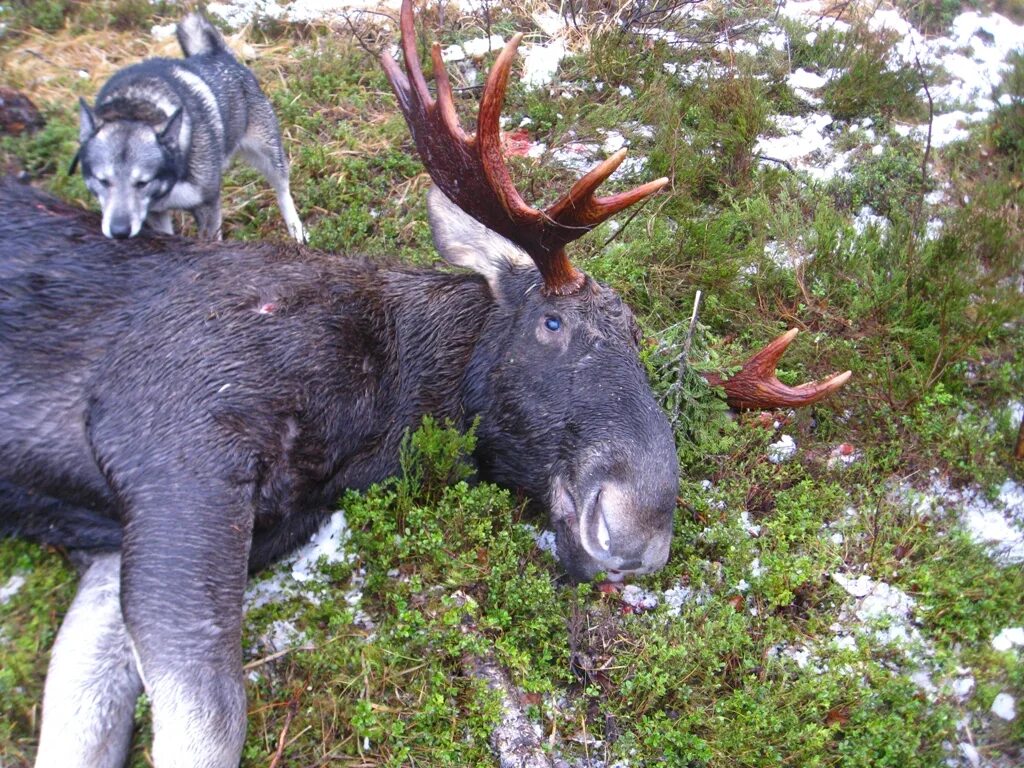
(182, 413)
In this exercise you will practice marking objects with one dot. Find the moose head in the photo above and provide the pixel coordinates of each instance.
(564, 391)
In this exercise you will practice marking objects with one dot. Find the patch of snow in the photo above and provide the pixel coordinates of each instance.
(1016, 408)
(282, 635)
(299, 574)
(783, 450)
(803, 82)
(163, 31)
(11, 588)
(801, 655)
(878, 603)
(675, 598)
(630, 167)
(867, 219)
(1004, 706)
(238, 14)
(933, 229)
(999, 525)
(969, 753)
(661, 35)
(576, 156)
(694, 71)
(481, 46)
(327, 545)
(845, 642)
(1008, 638)
(806, 144)
(782, 255)
(640, 599)
(541, 61)
(613, 142)
(549, 22)
(454, 52)
(923, 680)
(962, 688)
(973, 56)
(547, 542)
(752, 528)
(645, 131)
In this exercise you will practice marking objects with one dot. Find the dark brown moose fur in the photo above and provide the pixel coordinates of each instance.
(199, 407)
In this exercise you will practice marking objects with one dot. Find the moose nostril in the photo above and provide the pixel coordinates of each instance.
(604, 538)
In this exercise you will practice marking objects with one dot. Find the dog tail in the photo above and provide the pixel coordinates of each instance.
(197, 36)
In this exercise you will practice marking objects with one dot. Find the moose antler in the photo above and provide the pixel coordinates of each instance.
(756, 386)
(471, 170)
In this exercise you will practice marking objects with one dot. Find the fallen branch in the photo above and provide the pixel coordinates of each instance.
(514, 740)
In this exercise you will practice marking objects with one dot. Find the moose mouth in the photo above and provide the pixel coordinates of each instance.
(597, 531)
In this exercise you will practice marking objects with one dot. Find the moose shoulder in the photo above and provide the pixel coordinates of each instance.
(186, 412)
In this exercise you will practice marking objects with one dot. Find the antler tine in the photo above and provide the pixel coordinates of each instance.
(471, 170)
(756, 385)
(580, 208)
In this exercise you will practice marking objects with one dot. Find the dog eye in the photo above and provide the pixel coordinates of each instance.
(553, 323)
(105, 183)
(140, 184)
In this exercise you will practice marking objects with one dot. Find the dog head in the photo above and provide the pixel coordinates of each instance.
(128, 161)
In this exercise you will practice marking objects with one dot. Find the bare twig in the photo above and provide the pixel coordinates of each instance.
(293, 707)
(689, 334)
(918, 213)
(784, 163)
(256, 663)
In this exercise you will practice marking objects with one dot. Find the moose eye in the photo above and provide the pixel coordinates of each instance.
(553, 323)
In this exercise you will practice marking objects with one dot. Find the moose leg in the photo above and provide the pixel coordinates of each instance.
(185, 558)
(92, 683)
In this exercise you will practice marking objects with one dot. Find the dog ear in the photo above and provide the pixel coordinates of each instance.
(172, 131)
(86, 121)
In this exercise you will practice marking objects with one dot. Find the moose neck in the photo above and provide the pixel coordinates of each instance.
(439, 322)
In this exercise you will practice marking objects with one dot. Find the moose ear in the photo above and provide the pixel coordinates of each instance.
(86, 121)
(465, 242)
(171, 134)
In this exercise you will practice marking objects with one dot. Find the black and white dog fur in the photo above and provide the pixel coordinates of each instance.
(163, 131)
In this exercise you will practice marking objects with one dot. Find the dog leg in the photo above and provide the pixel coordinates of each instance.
(287, 206)
(264, 153)
(93, 683)
(160, 221)
(208, 220)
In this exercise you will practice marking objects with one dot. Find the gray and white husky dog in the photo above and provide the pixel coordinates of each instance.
(164, 130)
